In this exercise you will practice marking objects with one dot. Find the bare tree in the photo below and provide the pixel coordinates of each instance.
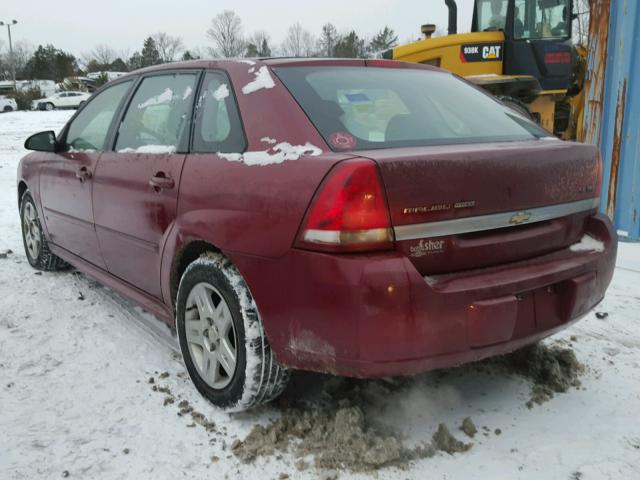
(102, 54)
(298, 42)
(125, 53)
(581, 24)
(169, 47)
(22, 52)
(226, 34)
(328, 40)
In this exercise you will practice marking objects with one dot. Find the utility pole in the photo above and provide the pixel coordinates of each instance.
(11, 62)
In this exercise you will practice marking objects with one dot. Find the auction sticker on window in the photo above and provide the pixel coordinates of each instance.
(342, 140)
(481, 52)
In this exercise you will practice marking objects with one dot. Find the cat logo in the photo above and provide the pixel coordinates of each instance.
(491, 52)
(481, 52)
(519, 218)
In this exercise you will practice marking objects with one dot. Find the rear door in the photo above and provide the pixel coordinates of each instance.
(136, 184)
(63, 100)
(73, 99)
(66, 179)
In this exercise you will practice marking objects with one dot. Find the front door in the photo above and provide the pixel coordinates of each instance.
(66, 178)
(135, 192)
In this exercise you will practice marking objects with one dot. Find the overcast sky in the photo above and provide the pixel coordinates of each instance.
(76, 26)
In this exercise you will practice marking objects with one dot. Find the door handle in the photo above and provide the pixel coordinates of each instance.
(83, 173)
(160, 182)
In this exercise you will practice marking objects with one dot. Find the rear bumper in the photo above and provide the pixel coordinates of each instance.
(375, 315)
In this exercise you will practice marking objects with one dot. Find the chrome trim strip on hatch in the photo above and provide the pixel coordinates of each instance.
(493, 221)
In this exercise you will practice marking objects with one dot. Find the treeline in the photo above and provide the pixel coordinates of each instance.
(50, 63)
(225, 34)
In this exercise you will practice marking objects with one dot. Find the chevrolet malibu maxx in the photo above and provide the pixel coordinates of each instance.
(363, 218)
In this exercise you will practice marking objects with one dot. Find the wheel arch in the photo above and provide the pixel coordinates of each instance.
(185, 255)
(22, 187)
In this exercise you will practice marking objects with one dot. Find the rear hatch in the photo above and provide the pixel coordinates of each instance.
(460, 207)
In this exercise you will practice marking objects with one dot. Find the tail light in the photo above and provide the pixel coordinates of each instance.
(598, 188)
(349, 212)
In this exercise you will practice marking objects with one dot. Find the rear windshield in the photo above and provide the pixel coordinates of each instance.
(359, 108)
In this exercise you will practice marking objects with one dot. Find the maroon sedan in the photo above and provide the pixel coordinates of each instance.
(362, 218)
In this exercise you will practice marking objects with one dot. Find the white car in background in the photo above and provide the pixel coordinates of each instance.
(68, 99)
(7, 104)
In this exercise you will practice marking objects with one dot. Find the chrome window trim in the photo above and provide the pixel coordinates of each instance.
(493, 221)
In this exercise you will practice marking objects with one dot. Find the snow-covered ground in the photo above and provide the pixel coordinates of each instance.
(75, 397)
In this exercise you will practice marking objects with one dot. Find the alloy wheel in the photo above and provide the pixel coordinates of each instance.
(210, 335)
(31, 229)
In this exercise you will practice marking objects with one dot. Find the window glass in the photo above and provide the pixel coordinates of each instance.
(536, 19)
(217, 127)
(492, 14)
(158, 114)
(89, 129)
(389, 107)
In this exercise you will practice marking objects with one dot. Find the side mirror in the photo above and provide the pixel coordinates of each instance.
(42, 142)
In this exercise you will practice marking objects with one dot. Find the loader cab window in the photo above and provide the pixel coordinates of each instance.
(539, 19)
(492, 15)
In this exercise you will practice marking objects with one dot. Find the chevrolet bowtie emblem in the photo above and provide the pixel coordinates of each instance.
(519, 218)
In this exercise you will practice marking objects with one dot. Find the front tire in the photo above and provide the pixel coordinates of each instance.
(7, 109)
(49, 106)
(35, 244)
(221, 337)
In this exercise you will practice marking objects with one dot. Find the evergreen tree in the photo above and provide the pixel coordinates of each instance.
(252, 50)
(118, 65)
(187, 56)
(383, 40)
(150, 54)
(265, 50)
(135, 62)
(50, 63)
(65, 65)
(350, 46)
(40, 65)
(258, 45)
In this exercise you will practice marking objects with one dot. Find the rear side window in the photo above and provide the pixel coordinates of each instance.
(217, 124)
(359, 108)
(158, 116)
(88, 131)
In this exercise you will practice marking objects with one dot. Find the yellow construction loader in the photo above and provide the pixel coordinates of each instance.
(519, 50)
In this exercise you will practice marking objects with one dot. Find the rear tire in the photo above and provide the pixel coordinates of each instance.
(35, 244)
(7, 109)
(223, 343)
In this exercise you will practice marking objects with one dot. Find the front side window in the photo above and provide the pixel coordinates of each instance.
(365, 107)
(217, 126)
(88, 131)
(158, 115)
(492, 14)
